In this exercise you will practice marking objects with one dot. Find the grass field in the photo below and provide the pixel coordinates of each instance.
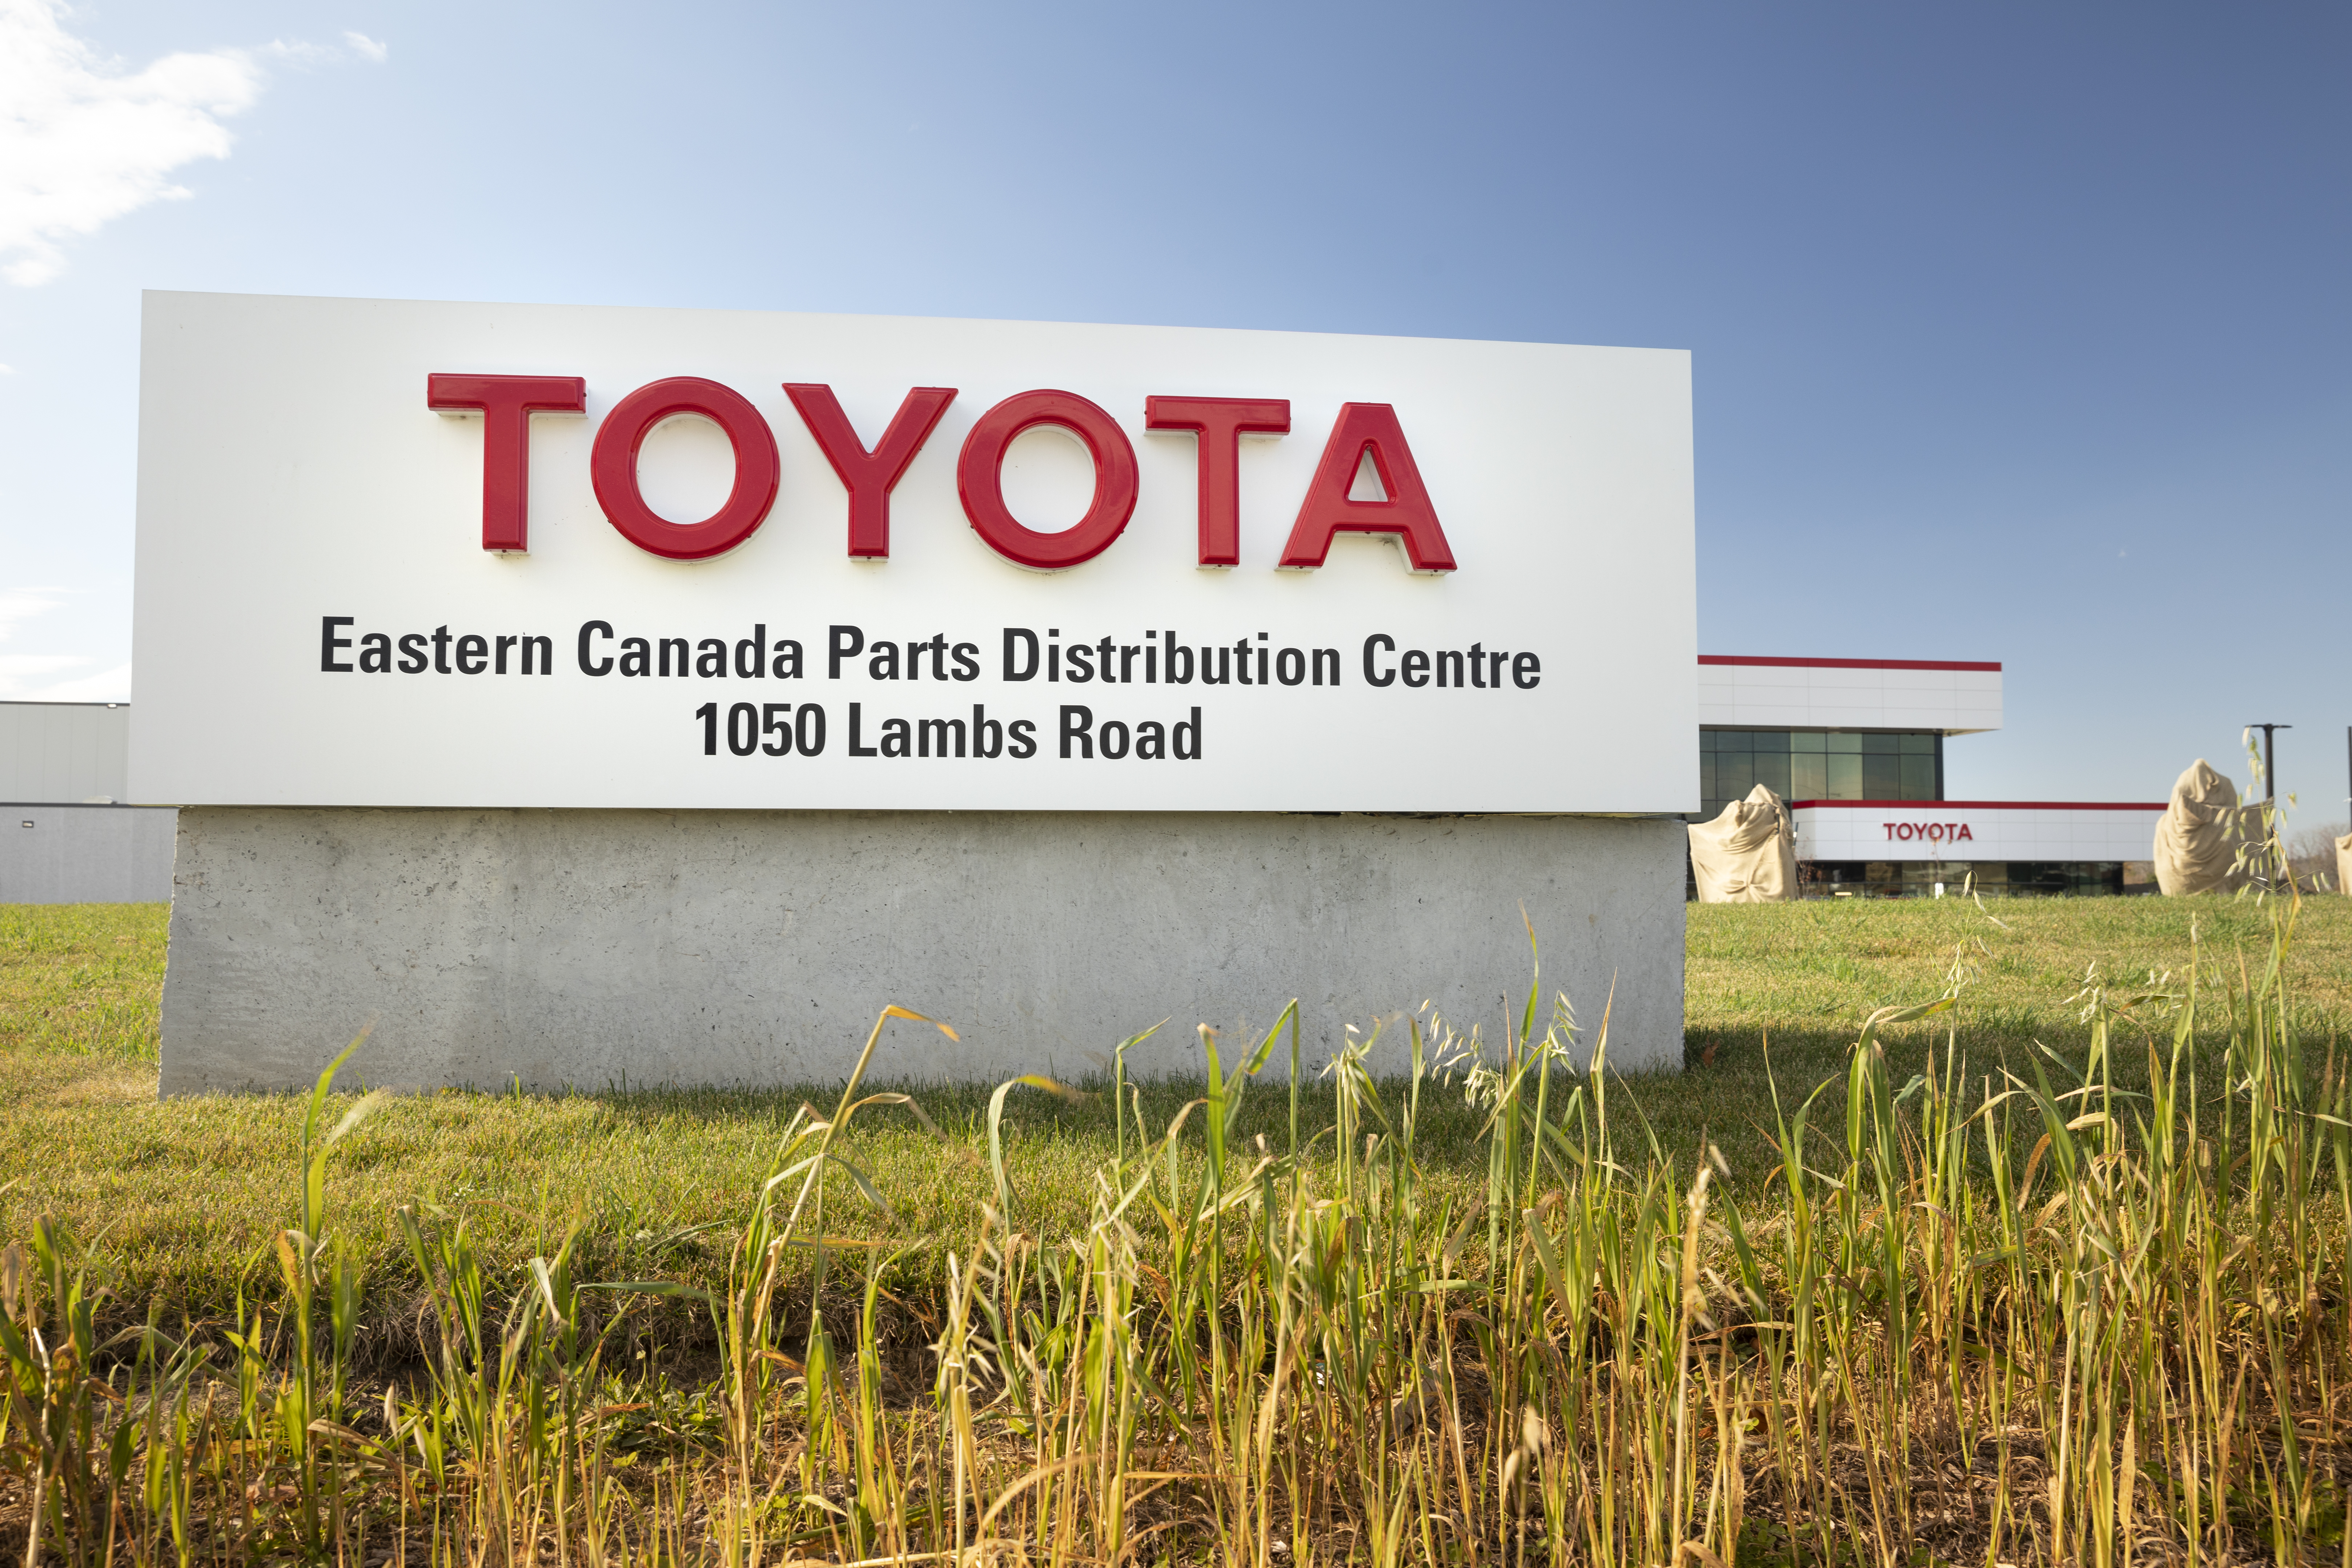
(2096, 1309)
(186, 1197)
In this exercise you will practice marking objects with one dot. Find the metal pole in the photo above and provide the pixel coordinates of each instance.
(2270, 789)
(2270, 771)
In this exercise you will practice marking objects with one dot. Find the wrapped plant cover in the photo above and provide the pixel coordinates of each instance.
(2344, 864)
(1748, 854)
(2199, 834)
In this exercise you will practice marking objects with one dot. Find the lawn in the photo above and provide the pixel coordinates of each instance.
(1964, 1326)
(184, 1197)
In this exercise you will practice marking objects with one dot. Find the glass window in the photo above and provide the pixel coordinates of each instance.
(1809, 776)
(1735, 775)
(1817, 765)
(1917, 879)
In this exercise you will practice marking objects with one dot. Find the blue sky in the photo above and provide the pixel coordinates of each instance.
(2019, 331)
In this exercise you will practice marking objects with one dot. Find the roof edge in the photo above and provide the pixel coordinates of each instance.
(1851, 663)
(1985, 805)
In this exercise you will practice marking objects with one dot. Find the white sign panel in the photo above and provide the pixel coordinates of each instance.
(396, 553)
(1963, 830)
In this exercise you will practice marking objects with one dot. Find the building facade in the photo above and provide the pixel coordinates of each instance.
(1856, 747)
(66, 838)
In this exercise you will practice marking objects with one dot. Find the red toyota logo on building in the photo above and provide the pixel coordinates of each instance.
(1934, 832)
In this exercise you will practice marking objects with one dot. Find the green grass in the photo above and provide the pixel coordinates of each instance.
(186, 1197)
(81, 981)
(1801, 977)
(1973, 1319)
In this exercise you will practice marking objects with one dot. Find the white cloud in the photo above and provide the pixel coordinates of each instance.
(23, 604)
(84, 142)
(22, 673)
(107, 686)
(300, 53)
(46, 676)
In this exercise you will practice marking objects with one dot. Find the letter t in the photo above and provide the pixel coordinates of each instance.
(1218, 423)
(505, 404)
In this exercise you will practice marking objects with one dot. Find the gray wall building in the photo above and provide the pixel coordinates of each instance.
(66, 838)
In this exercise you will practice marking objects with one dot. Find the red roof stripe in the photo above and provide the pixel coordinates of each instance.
(1933, 806)
(1850, 663)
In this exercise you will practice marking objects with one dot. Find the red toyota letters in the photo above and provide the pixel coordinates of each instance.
(1934, 832)
(505, 404)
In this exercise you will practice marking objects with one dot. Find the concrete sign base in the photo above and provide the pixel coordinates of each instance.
(590, 949)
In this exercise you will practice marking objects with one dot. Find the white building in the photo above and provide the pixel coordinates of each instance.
(1856, 747)
(66, 838)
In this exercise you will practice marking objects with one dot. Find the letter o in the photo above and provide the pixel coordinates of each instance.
(1935, 831)
(612, 467)
(979, 480)
(1905, 830)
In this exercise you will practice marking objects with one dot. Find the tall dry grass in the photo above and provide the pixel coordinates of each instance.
(2000, 1312)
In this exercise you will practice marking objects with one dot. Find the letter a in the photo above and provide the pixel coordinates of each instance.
(1407, 514)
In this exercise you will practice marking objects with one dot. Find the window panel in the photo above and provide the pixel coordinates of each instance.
(1917, 744)
(1878, 745)
(1772, 772)
(1735, 774)
(1845, 742)
(1918, 778)
(1807, 740)
(1772, 743)
(1809, 776)
(1707, 774)
(1845, 777)
(1882, 777)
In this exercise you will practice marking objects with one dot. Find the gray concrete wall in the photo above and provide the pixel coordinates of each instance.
(85, 854)
(575, 948)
